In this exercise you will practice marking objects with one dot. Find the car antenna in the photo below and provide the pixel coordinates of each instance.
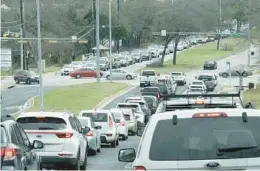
(244, 117)
(174, 119)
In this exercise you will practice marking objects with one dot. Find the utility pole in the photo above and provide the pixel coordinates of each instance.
(94, 21)
(97, 41)
(249, 34)
(220, 24)
(117, 22)
(24, 66)
(110, 39)
(21, 48)
(39, 45)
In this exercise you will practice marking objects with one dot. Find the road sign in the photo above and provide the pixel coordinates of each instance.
(163, 33)
(82, 41)
(52, 41)
(156, 34)
(74, 39)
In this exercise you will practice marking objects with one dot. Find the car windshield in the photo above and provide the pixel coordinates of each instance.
(128, 106)
(42, 123)
(201, 139)
(148, 73)
(205, 78)
(96, 116)
(3, 136)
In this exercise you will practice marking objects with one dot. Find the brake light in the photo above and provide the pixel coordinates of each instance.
(64, 135)
(139, 168)
(210, 115)
(122, 123)
(7, 153)
(89, 134)
(158, 97)
(110, 122)
(199, 101)
(109, 134)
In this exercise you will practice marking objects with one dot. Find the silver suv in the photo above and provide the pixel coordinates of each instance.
(62, 136)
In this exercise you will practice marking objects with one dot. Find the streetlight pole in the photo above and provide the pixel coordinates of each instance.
(249, 34)
(97, 41)
(39, 45)
(110, 39)
(220, 20)
(21, 48)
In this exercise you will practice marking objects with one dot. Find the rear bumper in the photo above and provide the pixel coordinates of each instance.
(49, 158)
(106, 139)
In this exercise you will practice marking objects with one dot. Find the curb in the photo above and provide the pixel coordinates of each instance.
(109, 99)
(12, 86)
(29, 103)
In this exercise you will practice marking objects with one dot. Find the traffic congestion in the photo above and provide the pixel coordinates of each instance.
(64, 140)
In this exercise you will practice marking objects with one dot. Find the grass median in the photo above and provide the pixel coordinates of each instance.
(77, 97)
(195, 57)
(252, 96)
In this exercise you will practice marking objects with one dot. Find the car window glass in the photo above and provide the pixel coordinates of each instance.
(96, 116)
(78, 124)
(24, 136)
(187, 139)
(73, 124)
(18, 135)
(47, 123)
(3, 139)
(84, 122)
(13, 136)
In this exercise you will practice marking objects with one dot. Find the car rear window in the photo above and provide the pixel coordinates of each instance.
(151, 89)
(96, 117)
(176, 74)
(3, 136)
(200, 139)
(148, 73)
(42, 123)
(117, 116)
(84, 122)
(205, 77)
(127, 117)
(164, 81)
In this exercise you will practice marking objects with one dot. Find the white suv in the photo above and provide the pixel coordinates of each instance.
(199, 139)
(109, 129)
(61, 134)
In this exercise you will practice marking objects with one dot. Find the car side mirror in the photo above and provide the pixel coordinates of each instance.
(126, 155)
(85, 130)
(98, 127)
(37, 144)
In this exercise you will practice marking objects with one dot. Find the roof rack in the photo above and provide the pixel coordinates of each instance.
(209, 104)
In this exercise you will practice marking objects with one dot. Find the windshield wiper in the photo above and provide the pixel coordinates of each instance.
(234, 149)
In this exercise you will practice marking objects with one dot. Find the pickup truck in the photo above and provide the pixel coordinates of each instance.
(210, 80)
(148, 77)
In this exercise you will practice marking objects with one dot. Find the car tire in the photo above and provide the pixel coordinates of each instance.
(225, 75)
(62, 74)
(141, 85)
(129, 77)
(123, 137)
(76, 166)
(117, 141)
(28, 81)
(113, 144)
(78, 76)
(99, 149)
(245, 75)
(108, 77)
(84, 166)
(92, 152)
(17, 81)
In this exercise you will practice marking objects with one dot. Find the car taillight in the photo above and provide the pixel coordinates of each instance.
(158, 97)
(122, 123)
(110, 123)
(210, 115)
(139, 168)
(7, 153)
(64, 135)
(89, 134)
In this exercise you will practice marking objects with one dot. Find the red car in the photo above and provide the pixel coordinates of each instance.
(84, 72)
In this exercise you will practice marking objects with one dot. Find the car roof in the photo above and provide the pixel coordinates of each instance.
(128, 104)
(95, 111)
(45, 114)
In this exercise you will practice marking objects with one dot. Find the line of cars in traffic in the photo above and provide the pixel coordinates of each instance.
(62, 140)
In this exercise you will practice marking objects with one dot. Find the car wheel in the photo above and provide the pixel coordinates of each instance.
(76, 166)
(78, 76)
(62, 74)
(28, 81)
(108, 77)
(113, 144)
(84, 165)
(99, 148)
(17, 81)
(92, 152)
(123, 137)
(117, 141)
(129, 77)
(225, 75)
(245, 75)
